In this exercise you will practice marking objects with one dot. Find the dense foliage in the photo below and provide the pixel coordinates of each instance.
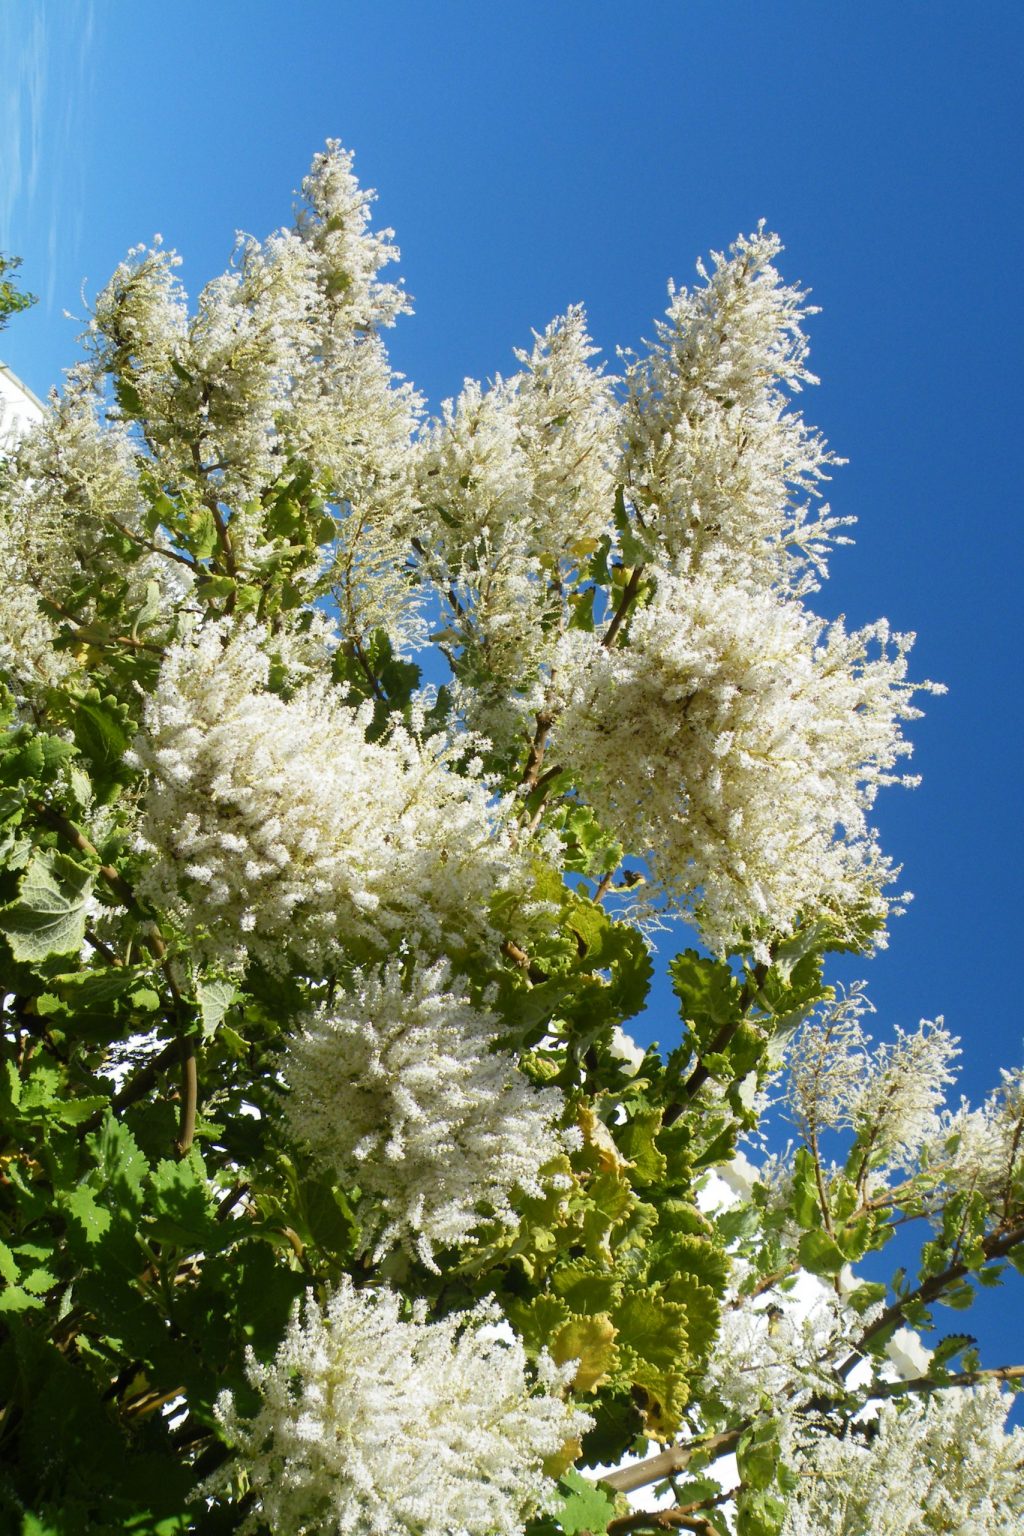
(334, 1196)
(12, 298)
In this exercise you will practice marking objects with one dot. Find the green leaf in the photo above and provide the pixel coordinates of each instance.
(8, 1265)
(77, 1111)
(636, 1139)
(759, 1513)
(538, 1321)
(48, 917)
(122, 1166)
(14, 1298)
(806, 1206)
(183, 1209)
(103, 731)
(39, 1281)
(757, 1455)
(653, 1343)
(92, 1218)
(586, 1289)
(709, 997)
(583, 1506)
(215, 998)
(820, 1254)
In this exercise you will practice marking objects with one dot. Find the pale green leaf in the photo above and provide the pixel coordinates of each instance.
(48, 917)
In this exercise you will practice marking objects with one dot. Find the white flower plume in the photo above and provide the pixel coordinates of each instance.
(739, 743)
(918, 1468)
(889, 1096)
(983, 1149)
(372, 1422)
(274, 825)
(717, 465)
(397, 1087)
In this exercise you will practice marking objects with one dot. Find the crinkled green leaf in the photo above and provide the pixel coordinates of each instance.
(48, 917)
(582, 1506)
(215, 998)
(820, 1254)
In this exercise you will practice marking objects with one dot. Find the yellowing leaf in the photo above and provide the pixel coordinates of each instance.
(591, 1341)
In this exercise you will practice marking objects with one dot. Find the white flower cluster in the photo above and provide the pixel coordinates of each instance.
(281, 368)
(372, 1422)
(890, 1096)
(739, 742)
(274, 824)
(73, 483)
(397, 1085)
(517, 486)
(782, 1347)
(983, 1149)
(717, 467)
(918, 1468)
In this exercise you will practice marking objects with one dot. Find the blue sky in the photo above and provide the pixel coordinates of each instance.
(534, 155)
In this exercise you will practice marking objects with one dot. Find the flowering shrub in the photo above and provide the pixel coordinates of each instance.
(335, 1195)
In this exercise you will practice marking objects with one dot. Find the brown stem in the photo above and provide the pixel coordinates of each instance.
(156, 549)
(656, 1468)
(683, 1518)
(959, 1379)
(995, 1246)
(521, 958)
(513, 952)
(78, 840)
(604, 887)
(621, 613)
(138, 1086)
(231, 1199)
(129, 640)
(355, 650)
(544, 783)
(819, 1183)
(211, 503)
(538, 746)
(189, 1096)
(103, 949)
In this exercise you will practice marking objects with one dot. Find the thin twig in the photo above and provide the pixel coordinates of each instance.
(103, 949)
(535, 760)
(78, 840)
(138, 1086)
(129, 640)
(231, 1199)
(621, 613)
(995, 1246)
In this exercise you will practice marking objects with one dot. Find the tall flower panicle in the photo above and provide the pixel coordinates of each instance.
(983, 1149)
(739, 743)
(569, 430)
(718, 467)
(280, 372)
(918, 1468)
(889, 1096)
(397, 1086)
(826, 1063)
(517, 487)
(781, 1347)
(371, 1422)
(274, 825)
(70, 504)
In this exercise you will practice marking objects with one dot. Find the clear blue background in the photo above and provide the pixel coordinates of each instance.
(536, 154)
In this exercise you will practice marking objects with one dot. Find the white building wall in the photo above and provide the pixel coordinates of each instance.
(19, 408)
